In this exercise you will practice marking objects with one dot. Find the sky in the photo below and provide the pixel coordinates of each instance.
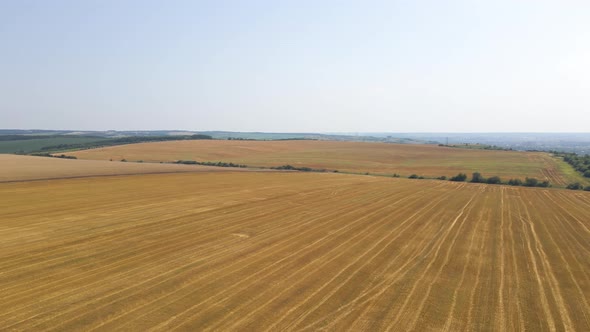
(296, 66)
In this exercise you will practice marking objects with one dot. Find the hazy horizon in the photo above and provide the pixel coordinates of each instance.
(366, 133)
(268, 66)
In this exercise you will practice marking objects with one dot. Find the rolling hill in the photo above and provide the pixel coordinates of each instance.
(358, 157)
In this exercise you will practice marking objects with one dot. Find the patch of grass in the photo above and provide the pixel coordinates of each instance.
(569, 172)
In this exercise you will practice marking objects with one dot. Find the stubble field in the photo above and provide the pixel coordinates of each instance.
(291, 251)
(26, 168)
(359, 157)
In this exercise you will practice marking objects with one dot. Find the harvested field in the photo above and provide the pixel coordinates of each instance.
(291, 251)
(24, 168)
(379, 158)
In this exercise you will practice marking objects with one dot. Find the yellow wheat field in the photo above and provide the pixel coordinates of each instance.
(291, 252)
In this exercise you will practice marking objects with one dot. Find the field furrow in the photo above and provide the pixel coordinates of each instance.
(292, 252)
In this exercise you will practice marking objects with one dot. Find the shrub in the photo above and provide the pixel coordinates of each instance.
(186, 162)
(477, 178)
(459, 177)
(66, 157)
(285, 167)
(544, 184)
(587, 188)
(413, 176)
(515, 182)
(494, 180)
(442, 177)
(574, 186)
(212, 163)
(530, 182)
(587, 174)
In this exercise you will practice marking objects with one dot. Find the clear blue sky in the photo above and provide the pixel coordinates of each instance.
(296, 66)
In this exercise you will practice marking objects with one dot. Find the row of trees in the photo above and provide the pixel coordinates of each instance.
(209, 163)
(580, 163)
(476, 177)
(302, 169)
(528, 182)
(479, 178)
(121, 141)
(577, 186)
(62, 156)
(476, 146)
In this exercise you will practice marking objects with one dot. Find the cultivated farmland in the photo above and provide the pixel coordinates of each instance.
(360, 157)
(291, 251)
(21, 168)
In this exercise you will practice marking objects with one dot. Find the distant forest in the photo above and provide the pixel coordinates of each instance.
(121, 141)
(34, 144)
